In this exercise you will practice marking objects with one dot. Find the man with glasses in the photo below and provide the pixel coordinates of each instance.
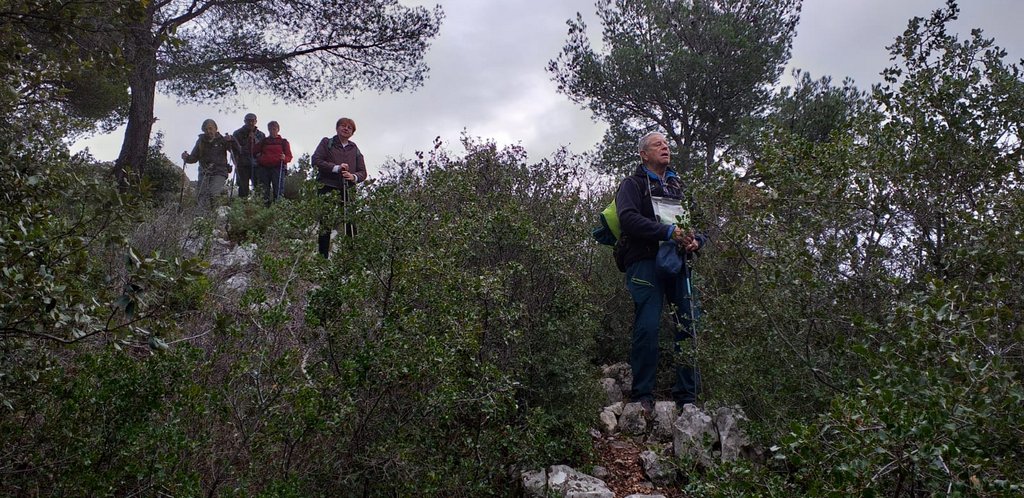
(642, 235)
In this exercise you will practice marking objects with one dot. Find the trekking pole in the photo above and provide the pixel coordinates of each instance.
(693, 322)
(234, 177)
(344, 207)
(202, 184)
(280, 181)
(252, 175)
(184, 180)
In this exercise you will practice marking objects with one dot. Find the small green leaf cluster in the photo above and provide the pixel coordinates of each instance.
(248, 221)
(164, 181)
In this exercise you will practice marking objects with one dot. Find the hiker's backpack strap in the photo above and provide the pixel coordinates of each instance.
(610, 231)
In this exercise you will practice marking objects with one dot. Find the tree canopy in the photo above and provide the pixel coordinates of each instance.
(872, 275)
(692, 69)
(63, 59)
(291, 49)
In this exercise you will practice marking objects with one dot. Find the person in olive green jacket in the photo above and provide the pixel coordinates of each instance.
(211, 152)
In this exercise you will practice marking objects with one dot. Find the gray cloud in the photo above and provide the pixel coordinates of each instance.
(487, 76)
(849, 38)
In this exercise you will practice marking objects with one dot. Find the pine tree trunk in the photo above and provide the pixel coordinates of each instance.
(132, 159)
(141, 54)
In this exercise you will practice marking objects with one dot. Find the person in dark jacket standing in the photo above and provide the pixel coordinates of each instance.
(211, 152)
(642, 234)
(247, 137)
(272, 157)
(339, 165)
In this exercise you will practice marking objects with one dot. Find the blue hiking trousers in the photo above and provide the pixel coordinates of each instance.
(650, 294)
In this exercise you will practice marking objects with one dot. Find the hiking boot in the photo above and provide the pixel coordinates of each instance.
(647, 405)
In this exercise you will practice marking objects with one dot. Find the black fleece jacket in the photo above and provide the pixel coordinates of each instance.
(641, 230)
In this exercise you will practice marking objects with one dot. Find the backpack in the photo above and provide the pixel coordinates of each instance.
(610, 231)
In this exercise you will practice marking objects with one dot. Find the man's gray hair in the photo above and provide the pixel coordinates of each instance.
(642, 143)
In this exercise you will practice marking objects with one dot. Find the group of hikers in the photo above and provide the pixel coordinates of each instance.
(262, 160)
(339, 164)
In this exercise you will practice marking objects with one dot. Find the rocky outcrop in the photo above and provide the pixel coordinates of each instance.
(609, 421)
(563, 481)
(706, 438)
(612, 390)
(660, 472)
(241, 256)
(709, 439)
(616, 382)
(633, 420)
(694, 435)
(661, 423)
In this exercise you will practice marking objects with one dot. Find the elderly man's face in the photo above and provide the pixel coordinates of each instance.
(656, 151)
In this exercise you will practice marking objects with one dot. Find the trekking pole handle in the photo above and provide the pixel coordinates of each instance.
(184, 180)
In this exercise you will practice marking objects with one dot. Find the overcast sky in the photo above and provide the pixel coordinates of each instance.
(487, 76)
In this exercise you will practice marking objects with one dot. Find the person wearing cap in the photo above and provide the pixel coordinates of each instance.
(247, 137)
(339, 165)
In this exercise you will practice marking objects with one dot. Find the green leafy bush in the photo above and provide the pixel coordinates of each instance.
(458, 325)
(865, 303)
(248, 221)
(101, 425)
(163, 179)
(944, 422)
(298, 183)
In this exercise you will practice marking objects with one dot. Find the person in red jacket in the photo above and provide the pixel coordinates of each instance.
(272, 157)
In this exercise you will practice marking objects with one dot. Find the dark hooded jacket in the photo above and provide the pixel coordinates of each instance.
(247, 137)
(641, 232)
(212, 155)
(331, 152)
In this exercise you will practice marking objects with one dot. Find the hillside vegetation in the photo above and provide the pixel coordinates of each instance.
(861, 301)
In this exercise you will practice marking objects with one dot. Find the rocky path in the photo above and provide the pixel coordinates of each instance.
(646, 455)
(620, 457)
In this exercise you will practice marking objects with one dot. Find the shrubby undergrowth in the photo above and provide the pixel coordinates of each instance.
(864, 303)
(861, 296)
(446, 345)
(457, 324)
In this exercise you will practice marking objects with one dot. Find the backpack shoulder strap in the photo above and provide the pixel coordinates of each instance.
(643, 191)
